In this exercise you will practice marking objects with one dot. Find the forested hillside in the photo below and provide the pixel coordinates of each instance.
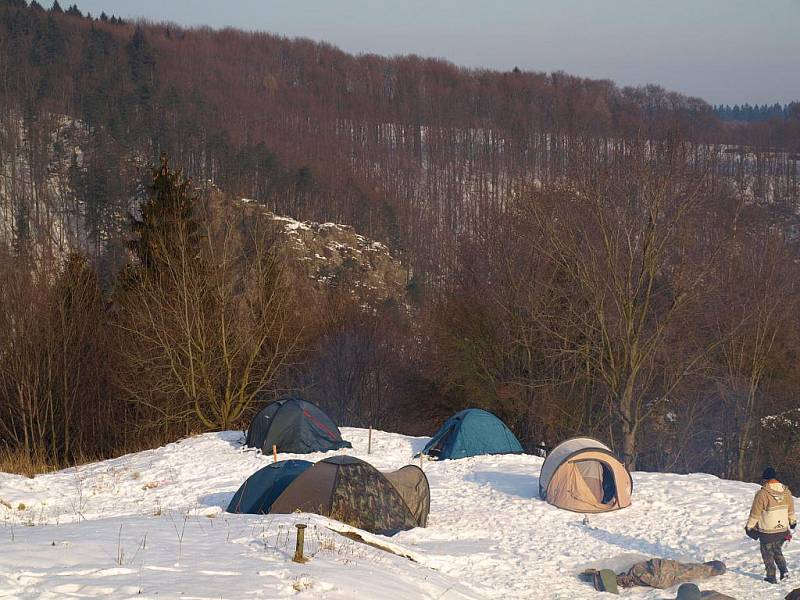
(577, 257)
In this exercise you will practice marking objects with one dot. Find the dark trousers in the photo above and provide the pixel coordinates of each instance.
(772, 553)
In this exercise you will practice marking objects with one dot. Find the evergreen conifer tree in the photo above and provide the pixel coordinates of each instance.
(167, 218)
(14, 3)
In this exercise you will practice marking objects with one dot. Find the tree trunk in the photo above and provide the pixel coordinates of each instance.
(629, 445)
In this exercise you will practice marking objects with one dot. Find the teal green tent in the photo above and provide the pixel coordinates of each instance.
(262, 488)
(470, 433)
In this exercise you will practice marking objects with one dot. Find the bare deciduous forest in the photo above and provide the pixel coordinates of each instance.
(579, 258)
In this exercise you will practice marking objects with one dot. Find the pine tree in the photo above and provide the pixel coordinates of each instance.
(74, 11)
(141, 60)
(55, 43)
(56, 8)
(167, 218)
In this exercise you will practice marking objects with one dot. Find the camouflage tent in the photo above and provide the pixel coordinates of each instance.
(412, 485)
(352, 491)
(259, 491)
(294, 426)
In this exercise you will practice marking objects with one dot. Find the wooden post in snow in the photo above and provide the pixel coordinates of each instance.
(298, 551)
(369, 443)
(274, 453)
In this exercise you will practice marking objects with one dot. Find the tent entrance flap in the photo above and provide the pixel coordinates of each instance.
(609, 485)
(440, 445)
(599, 479)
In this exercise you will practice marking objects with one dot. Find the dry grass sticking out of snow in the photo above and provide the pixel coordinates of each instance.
(152, 525)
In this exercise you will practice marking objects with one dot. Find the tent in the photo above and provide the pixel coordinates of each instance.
(412, 485)
(294, 426)
(352, 491)
(472, 432)
(583, 475)
(259, 491)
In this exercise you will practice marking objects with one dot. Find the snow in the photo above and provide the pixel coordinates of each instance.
(152, 525)
(784, 420)
(290, 224)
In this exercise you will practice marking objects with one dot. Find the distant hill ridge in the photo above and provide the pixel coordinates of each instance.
(411, 151)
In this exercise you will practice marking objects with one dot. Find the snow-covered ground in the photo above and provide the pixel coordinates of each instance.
(152, 525)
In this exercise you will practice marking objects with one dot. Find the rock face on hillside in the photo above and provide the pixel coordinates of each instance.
(331, 255)
(334, 255)
(44, 203)
(35, 187)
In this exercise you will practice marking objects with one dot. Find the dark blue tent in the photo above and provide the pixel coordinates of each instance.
(470, 433)
(262, 488)
(294, 426)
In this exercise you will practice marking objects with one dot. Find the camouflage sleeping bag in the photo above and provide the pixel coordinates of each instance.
(662, 573)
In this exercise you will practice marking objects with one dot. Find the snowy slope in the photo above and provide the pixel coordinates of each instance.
(152, 525)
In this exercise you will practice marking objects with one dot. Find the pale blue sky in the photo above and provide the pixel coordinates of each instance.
(726, 51)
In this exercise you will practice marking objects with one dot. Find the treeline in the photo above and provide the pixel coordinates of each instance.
(755, 113)
(408, 150)
(55, 8)
(581, 258)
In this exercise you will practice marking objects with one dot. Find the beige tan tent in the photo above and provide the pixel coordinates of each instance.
(583, 475)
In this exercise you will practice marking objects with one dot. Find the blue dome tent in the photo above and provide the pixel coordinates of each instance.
(256, 495)
(470, 433)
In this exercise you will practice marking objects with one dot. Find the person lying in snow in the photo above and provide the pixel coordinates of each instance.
(660, 573)
(771, 517)
(663, 573)
(689, 591)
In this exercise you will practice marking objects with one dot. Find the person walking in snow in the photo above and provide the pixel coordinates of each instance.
(771, 517)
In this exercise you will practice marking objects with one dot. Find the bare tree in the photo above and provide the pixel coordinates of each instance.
(53, 362)
(211, 327)
(759, 297)
(624, 244)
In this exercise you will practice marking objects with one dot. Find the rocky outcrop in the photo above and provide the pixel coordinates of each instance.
(334, 255)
